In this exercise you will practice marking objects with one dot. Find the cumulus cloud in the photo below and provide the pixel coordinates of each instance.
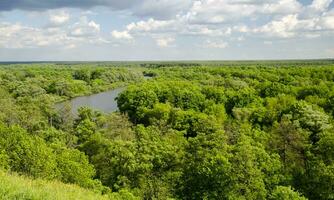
(282, 7)
(217, 20)
(22, 36)
(327, 21)
(165, 41)
(214, 23)
(121, 35)
(298, 25)
(320, 5)
(151, 25)
(19, 36)
(85, 28)
(283, 27)
(223, 11)
(317, 7)
(59, 19)
(174, 26)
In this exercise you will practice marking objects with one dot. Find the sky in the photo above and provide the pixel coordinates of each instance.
(128, 30)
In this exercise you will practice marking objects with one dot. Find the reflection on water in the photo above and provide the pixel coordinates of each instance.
(104, 101)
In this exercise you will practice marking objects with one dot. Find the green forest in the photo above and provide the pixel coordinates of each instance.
(192, 130)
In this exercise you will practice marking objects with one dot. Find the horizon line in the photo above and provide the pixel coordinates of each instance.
(176, 60)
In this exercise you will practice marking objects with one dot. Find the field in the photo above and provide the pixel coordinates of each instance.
(193, 130)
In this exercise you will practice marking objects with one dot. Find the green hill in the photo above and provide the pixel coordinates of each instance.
(13, 186)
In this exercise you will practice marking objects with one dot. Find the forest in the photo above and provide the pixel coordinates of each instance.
(193, 130)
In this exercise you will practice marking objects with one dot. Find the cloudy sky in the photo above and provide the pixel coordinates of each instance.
(88, 30)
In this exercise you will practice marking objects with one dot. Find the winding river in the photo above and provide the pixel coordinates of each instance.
(103, 101)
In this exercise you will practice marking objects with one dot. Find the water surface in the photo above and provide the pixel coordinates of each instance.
(103, 101)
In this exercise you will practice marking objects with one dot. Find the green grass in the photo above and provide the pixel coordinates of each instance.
(13, 186)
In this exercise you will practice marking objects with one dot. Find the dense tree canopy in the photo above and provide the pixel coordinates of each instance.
(243, 131)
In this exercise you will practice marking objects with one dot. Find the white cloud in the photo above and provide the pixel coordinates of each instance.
(316, 8)
(165, 41)
(121, 35)
(327, 21)
(299, 25)
(320, 5)
(150, 25)
(209, 23)
(282, 7)
(177, 26)
(283, 27)
(223, 11)
(85, 28)
(215, 44)
(20, 36)
(228, 19)
(212, 18)
(94, 26)
(60, 18)
(202, 30)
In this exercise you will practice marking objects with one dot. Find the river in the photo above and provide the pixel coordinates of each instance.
(103, 101)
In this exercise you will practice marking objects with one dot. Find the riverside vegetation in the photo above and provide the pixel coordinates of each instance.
(196, 130)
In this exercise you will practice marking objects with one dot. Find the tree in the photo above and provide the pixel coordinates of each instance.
(285, 193)
(27, 154)
(82, 74)
(318, 181)
(74, 167)
(134, 99)
(193, 122)
(207, 169)
(291, 143)
(116, 165)
(254, 172)
(311, 118)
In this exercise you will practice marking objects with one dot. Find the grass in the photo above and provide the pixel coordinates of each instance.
(13, 186)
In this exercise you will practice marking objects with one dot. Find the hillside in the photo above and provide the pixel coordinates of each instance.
(13, 186)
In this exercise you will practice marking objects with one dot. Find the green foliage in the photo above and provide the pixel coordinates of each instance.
(319, 182)
(285, 193)
(207, 168)
(4, 160)
(26, 154)
(256, 130)
(82, 74)
(291, 143)
(74, 167)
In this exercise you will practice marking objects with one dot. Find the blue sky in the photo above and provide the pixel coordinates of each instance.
(92, 30)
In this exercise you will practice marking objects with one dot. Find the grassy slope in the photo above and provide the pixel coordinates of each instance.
(13, 186)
